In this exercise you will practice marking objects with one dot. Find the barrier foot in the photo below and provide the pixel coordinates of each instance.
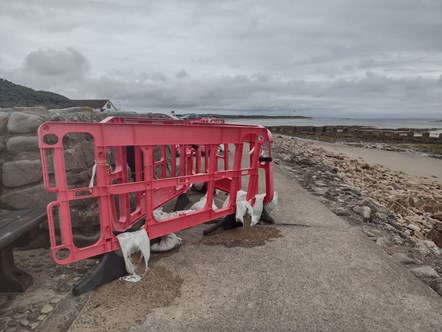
(228, 222)
(266, 217)
(110, 267)
(181, 202)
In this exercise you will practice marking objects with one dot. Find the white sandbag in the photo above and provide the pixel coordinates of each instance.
(242, 207)
(131, 242)
(166, 243)
(159, 214)
(240, 196)
(257, 208)
(202, 203)
(255, 211)
(198, 186)
(270, 206)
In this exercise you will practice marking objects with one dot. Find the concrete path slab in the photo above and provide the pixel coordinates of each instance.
(324, 277)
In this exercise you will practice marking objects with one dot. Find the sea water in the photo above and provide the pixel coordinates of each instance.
(435, 127)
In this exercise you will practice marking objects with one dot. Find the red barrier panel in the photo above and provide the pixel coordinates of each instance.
(165, 157)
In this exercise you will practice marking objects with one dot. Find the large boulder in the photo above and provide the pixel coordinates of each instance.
(79, 157)
(3, 121)
(19, 144)
(32, 109)
(31, 197)
(27, 155)
(23, 123)
(7, 109)
(71, 110)
(21, 173)
(76, 116)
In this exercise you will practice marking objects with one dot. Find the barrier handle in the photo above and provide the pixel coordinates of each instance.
(45, 171)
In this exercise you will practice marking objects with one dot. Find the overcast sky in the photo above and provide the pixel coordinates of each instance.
(337, 58)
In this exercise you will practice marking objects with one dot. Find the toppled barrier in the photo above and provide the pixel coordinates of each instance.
(165, 157)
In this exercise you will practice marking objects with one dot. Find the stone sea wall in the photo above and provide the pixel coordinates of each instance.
(20, 166)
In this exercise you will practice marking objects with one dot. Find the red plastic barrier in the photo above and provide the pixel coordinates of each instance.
(167, 157)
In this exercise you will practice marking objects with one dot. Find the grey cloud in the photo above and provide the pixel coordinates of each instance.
(181, 74)
(329, 57)
(54, 63)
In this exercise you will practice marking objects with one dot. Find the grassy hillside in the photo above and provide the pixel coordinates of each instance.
(14, 95)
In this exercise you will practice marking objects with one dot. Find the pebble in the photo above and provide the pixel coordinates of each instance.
(22, 309)
(18, 315)
(363, 211)
(55, 300)
(414, 227)
(41, 317)
(12, 323)
(425, 272)
(419, 235)
(381, 216)
(33, 315)
(33, 326)
(24, 322)
(47, 308)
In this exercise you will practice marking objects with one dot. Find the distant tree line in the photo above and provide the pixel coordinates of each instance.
(14, 95)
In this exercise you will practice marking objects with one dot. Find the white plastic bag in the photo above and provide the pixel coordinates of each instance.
(255, 211)
(242, 207)
(270, 206)
(257, 208)
(202, 203)
(159, 214)
(131, 242)
(166, 243)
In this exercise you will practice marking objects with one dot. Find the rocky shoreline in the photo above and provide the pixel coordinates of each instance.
(402, 140)
(400, 214)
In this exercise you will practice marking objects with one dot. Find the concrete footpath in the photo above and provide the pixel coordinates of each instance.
(321, 275)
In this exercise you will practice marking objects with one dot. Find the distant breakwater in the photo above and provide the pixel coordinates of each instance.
(362, 133)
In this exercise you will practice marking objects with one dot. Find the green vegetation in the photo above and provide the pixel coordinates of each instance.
(14, 95)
